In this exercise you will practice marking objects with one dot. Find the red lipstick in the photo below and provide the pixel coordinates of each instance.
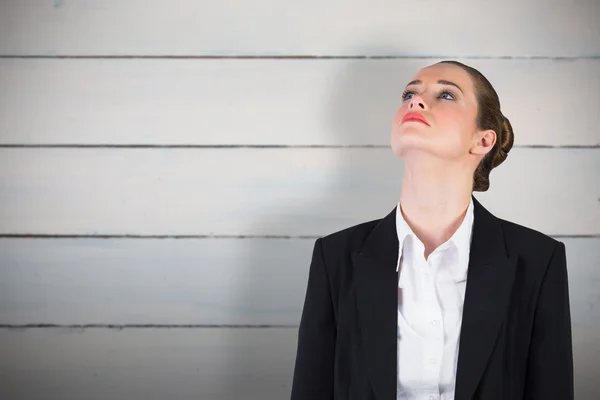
(416, 117)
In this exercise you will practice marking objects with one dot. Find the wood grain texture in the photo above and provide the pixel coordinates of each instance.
(267, 27)
(271, 102)
(149, 364)
(267, 191)
(186, 281)
(189, 281)
(215, 364)
(152, 79)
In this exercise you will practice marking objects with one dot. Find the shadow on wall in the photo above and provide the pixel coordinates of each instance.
(364, 98)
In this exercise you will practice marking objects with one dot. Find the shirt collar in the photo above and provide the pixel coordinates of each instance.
(461, 239)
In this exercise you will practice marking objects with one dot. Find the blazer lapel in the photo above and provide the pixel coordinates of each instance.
(489, 281)
(376, 283)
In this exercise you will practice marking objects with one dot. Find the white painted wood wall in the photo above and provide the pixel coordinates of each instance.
(165, 168)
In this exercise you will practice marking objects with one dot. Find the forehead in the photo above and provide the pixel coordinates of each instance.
(446, 72)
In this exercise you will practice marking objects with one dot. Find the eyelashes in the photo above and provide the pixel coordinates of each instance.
(443, 94)
(405, 94)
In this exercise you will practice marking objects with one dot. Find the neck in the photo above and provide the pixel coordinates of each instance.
(434, 200)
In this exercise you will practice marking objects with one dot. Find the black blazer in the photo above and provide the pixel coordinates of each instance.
(515, 341)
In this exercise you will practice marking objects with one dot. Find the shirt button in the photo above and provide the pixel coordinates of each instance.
(435, 322)
(431, 397)
(433, 361)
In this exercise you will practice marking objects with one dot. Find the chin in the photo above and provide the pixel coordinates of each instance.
(409, 143)
(421, 151)
(404, 143)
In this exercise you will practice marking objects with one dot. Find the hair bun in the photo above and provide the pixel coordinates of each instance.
(507, 139)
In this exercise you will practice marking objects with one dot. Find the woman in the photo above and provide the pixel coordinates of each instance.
(439, 299)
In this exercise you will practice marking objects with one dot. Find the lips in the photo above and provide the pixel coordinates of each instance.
(415, 117)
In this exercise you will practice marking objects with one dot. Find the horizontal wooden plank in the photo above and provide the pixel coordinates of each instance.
(304, 191)
(216, 364)
(265, 27)
(270, 102)
(219, 281)
(187, 281)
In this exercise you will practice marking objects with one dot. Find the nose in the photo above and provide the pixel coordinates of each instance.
(416, 102)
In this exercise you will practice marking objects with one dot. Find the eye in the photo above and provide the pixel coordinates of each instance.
(407, 95)
(446, 95)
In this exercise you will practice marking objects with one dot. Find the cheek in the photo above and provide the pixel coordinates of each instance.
(454, 125)
(453, 134)
(399, 114)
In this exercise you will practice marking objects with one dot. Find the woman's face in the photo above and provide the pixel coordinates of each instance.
(437, 116)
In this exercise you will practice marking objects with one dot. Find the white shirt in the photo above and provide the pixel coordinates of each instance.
(430, 302)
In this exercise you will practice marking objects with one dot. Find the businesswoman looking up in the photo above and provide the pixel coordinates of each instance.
(439, 299)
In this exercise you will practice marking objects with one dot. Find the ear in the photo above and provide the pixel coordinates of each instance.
(484, 142)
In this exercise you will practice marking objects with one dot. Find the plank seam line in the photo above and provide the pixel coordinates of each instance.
(250, 146)
(143, 326)
(132, 236)
(222, 236)
(290, 57)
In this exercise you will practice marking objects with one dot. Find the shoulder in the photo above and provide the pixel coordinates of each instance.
(529, 243)
(349, 238)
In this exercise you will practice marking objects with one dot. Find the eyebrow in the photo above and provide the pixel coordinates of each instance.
(441, 82)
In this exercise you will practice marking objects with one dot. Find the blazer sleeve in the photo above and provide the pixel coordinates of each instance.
(550, 361)
(313, 371)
